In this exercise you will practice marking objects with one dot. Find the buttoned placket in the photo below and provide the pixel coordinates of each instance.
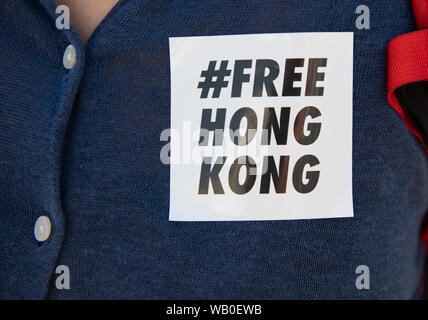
(49, 229)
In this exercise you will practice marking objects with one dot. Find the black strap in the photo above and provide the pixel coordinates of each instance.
(413, 97)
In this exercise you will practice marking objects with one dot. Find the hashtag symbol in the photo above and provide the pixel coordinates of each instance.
(214, 79)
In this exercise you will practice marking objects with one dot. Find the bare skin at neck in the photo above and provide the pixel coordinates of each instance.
(86, 15)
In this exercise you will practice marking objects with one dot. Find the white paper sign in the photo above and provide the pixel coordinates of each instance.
(261, 127)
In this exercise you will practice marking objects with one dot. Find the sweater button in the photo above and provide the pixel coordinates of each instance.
(42, 229)
(69, 58)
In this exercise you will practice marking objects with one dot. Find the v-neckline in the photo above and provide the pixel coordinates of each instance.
(109, 16)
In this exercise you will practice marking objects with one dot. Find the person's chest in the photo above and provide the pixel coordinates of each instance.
(97, 130)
